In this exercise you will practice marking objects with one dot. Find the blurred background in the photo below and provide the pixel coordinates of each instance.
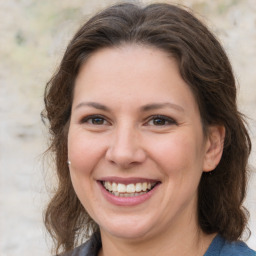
(33, 37)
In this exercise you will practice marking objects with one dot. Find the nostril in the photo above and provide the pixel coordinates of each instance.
(125, 157)
(125, 148)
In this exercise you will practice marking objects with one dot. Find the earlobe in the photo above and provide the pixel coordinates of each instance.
(214, 147)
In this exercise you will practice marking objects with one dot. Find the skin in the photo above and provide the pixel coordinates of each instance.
(127, 140)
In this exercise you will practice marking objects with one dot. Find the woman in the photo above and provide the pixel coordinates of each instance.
(151, 151)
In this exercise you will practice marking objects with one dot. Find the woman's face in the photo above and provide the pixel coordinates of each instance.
(135, 143)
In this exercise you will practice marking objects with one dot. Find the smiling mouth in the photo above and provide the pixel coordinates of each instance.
(128, 190)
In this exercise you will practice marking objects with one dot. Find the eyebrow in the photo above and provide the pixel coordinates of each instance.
(92, 104)
(154, 106)
(145, 108)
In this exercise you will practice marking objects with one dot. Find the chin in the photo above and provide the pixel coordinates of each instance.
(127, 230)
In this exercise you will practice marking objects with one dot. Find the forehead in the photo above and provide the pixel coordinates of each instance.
(126, 61)
(132, 57)
(131, 71)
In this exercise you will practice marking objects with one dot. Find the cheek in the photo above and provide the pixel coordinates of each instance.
(181, 165)
(82, 151)
(176, 149)
(83, 154)
(180, 157)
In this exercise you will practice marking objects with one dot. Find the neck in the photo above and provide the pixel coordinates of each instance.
(176, 240)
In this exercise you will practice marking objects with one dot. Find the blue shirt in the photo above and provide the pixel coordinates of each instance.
(218, 247)
(221, 247)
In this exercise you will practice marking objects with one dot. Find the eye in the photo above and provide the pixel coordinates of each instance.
(95, 120)
(160, 120)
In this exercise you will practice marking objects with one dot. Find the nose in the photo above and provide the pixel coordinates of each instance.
(125, 149)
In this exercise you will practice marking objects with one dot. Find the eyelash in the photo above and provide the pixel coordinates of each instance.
(165, 119)
(89, 119)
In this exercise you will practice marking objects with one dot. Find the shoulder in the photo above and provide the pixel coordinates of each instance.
(222, 247)
(236, 249)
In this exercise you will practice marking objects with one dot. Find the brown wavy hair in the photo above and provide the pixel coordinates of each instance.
(203, 65)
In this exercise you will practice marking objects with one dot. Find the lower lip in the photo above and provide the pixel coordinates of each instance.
(127, 201)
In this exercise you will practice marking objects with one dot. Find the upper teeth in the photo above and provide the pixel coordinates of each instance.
(130, 188)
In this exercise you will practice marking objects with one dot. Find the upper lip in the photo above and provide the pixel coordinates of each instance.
(126, 181)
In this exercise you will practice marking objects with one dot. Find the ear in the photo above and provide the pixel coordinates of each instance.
(214, 147)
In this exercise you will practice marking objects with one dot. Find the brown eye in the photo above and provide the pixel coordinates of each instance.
(97, 121)
(160, 120)
(94, 120)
